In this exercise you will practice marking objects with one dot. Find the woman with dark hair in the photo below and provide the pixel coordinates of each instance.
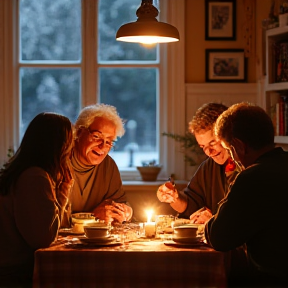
(34, 190)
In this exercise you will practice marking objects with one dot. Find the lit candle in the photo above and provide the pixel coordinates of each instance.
(149, 225)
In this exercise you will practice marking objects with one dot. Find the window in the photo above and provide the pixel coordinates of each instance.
(128, 79)
(68, 58)
(49, 58)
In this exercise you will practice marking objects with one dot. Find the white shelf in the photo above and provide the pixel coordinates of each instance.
(277, 86)
(281, 139)
(274, 89)
(277, 32)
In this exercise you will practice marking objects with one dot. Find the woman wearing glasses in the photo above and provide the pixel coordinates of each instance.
(98, 185)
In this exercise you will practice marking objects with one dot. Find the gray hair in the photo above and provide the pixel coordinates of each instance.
(88, 114)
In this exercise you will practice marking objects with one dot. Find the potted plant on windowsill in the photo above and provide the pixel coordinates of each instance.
(149, 170)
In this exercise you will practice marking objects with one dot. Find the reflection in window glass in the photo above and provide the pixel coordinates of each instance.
(50, 30)
(112, 15)
(134, 92)
(49, 90)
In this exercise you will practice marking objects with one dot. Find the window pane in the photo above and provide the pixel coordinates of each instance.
(49, 90)
(50, 30)
(113, 14)
(133, 92)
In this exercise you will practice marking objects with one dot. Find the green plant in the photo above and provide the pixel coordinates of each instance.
(9, 155)
(193, 154)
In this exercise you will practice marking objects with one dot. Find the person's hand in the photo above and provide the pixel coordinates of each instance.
(201, 216)
(110, 211)
(118, 212)
(167, 193)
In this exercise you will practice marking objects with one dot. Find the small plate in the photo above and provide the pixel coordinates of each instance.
(186, 245)
(100, 240)
(187, 240)
(187, 225)
(83, 245)
(69, 231)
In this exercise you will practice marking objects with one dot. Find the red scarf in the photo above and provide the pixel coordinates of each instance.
(230, 165)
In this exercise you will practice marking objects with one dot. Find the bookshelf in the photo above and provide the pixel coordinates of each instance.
(276, 87)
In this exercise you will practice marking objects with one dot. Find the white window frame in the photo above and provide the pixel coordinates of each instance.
(172, 82)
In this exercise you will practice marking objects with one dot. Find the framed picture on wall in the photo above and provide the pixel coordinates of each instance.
(226, 65)
(220, 20)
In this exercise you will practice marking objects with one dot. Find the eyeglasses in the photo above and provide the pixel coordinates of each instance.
(98, 137)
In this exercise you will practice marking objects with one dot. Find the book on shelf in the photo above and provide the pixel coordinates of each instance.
(274, 110)
(279, 113)
(281, 61)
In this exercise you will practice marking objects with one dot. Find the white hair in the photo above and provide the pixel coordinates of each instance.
(88, 114)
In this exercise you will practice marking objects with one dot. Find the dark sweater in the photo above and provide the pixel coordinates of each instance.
(207, 187)
(255, 212)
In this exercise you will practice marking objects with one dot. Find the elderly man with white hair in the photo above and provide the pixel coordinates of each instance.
(98, 185)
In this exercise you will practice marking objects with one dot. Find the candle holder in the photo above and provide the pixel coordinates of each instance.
(150, 230)
(164, 226)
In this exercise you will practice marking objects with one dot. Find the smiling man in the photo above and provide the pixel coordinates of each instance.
(98, 185)
(209, 184)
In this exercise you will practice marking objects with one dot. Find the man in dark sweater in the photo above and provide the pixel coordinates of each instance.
(254, 212)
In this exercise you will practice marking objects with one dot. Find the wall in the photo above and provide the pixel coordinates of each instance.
(198, 92)
(195, 38)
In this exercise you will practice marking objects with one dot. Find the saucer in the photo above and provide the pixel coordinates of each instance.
(69, 231)
(185, 245)
(100, 240)
(84, 245)
(187, 239)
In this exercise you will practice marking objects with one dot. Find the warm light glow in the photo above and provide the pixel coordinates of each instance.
(147, 39)
(148, 45)
(149, 215)
(147, 29)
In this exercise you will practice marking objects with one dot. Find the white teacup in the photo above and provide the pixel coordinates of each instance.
(186, 231)
(96, 230)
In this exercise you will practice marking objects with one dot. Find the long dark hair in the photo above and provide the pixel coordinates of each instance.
(47, 144)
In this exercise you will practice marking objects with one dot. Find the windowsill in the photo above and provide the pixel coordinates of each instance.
(158, 181)
(144, 185)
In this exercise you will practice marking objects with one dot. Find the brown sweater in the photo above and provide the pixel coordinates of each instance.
(207, 187)
(29, 220)
(94, 184)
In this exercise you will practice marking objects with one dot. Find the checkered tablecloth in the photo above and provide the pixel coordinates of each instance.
(134, 264)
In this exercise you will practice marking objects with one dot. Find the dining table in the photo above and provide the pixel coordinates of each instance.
(129, 262)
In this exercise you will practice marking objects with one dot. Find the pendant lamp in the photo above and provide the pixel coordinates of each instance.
(147, 29)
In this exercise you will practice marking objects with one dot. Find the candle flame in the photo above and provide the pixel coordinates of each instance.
(149, 215)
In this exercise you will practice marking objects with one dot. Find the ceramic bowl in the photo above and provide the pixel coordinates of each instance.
(186, 231)
(82, 218)
(96, 230)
